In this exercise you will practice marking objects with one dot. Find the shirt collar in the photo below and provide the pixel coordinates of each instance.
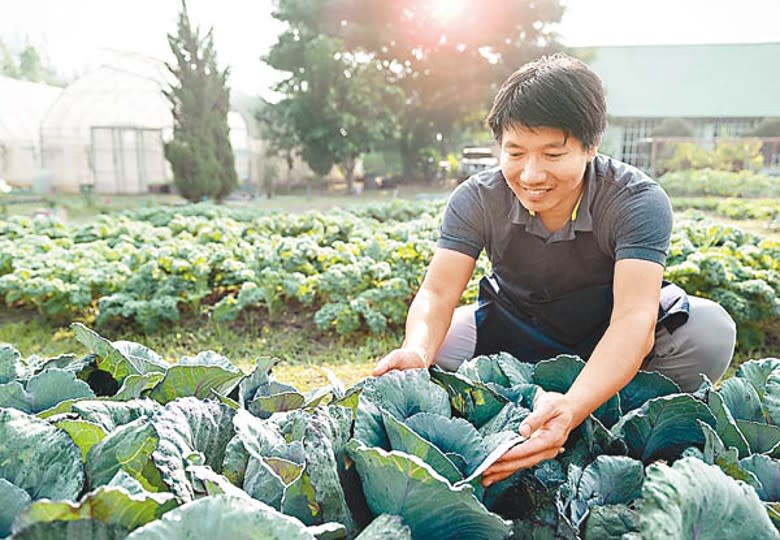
(583, 220)
(582, 217)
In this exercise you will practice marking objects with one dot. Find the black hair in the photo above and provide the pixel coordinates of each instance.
(555, 91)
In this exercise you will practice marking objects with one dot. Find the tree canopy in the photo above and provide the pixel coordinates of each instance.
(336, 105)
(444, 58)
(27, 65)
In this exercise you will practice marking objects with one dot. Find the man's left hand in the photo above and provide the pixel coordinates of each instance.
(547, 427)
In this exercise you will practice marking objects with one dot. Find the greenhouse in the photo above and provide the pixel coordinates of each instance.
(107, 130)
(22, 106)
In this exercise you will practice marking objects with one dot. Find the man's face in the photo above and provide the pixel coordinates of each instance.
(544, 169)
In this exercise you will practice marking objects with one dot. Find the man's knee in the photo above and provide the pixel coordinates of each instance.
(704, 344)
(715, 335)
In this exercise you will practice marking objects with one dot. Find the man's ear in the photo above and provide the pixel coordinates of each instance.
(594, 149)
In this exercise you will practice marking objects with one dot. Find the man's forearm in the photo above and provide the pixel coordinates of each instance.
(614, 362)
(427, 323)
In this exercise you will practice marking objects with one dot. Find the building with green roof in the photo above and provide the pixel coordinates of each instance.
(717, 90)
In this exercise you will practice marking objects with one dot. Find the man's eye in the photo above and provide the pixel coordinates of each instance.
(554, 155)
(515, 155)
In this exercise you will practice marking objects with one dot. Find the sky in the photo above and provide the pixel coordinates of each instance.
(78, 34)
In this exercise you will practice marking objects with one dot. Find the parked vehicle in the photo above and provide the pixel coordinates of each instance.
(475, 159)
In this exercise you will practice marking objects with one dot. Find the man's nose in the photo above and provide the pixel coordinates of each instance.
(531, 172)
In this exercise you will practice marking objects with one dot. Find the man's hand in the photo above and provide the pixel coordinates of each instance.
(431, 311)
(403, 358)
(547, 427)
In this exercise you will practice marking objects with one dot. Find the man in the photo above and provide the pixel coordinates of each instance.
(578, 244)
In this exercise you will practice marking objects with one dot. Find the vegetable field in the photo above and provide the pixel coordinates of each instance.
(352, 271)
(766, 210)
(704, 182)
(120, 444)
(115, 441)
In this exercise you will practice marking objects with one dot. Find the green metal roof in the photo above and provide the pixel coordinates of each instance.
(723, 80)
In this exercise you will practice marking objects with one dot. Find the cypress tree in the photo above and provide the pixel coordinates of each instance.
(200, 153)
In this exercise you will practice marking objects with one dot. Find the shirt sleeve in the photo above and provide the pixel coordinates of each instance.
(463, 225)
(643, 227)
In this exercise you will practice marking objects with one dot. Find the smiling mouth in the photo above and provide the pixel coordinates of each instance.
(538, 191)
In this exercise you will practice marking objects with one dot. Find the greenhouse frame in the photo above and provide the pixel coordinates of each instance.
(105, 131)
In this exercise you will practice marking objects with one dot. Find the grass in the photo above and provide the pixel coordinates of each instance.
(78, 209)
(305, 353)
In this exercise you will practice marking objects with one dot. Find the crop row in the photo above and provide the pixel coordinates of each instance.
(354, 271)
(119, 443)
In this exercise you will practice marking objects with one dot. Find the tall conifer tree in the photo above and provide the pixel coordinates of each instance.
(200, 152)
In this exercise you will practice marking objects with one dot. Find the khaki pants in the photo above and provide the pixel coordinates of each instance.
(704, 344)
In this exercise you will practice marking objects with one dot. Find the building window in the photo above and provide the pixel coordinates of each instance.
(636, 146)
(734, 127)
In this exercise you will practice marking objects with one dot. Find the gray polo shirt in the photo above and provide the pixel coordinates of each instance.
(624, 214)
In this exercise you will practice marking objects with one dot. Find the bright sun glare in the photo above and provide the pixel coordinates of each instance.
(446, 10)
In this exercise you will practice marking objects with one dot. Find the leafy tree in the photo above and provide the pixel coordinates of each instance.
(739, 154)
(200, 152)
(278, 134)
(336, 105)
(447, 58)
(30, 65)
(769, 127)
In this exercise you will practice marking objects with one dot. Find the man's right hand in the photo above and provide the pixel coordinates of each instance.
(431, 311)
(401, 359)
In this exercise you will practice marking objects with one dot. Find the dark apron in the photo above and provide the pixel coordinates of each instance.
(571, 324)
